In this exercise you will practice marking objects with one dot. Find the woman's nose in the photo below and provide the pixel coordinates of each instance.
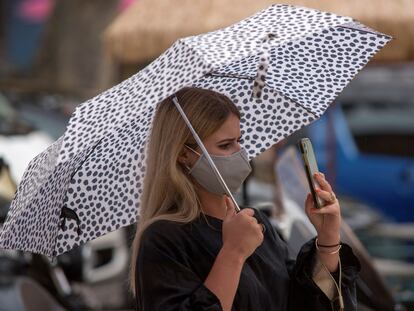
(238, 147)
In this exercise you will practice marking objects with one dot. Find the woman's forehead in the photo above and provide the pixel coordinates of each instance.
(230, 129)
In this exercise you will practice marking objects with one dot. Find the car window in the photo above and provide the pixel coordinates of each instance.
(10, 122)
(21, 115)
(381, 127)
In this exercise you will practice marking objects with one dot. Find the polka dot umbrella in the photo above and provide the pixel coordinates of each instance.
(282, 67)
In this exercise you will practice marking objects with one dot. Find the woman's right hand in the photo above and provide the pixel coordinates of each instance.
(241, 232)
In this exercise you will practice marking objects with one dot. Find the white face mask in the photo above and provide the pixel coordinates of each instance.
(233, 168)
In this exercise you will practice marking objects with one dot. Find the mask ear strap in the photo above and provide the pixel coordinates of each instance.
(205, 152)
(193, 150)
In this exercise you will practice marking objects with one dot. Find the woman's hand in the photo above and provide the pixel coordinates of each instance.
(326, 220)
(242, 234)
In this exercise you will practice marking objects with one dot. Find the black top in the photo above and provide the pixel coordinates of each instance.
(174, 260)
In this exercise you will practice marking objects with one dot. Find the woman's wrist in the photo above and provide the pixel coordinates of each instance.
(232, 255)
(330, 249)
(333, 239)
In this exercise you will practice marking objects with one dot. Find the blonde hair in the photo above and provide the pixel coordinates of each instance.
(168, 192)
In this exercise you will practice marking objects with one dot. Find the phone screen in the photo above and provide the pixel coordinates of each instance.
(311, 167)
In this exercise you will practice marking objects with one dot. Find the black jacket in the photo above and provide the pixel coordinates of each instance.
(175, 259)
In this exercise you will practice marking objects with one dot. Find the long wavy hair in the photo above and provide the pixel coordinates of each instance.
(169, 192)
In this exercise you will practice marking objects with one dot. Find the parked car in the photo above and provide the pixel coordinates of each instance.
(27, 127)
(365, 141)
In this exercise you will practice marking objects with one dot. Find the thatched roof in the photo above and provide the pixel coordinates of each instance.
(149, 27)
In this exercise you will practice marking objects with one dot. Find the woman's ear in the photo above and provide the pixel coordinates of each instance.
(184, 156)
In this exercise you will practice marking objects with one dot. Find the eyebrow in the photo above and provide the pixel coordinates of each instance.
(228, 139)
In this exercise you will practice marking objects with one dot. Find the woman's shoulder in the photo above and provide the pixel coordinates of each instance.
(165, 230)
(164, 238)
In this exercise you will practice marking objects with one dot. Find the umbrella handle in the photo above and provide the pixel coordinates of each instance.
(205, 152)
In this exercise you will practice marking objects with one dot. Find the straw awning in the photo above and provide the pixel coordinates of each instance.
(149, 27)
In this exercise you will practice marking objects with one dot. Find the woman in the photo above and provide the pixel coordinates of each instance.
(192, 251)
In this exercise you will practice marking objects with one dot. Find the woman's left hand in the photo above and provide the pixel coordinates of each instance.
(326, 220)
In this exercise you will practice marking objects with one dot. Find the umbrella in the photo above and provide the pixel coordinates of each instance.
(282, 67)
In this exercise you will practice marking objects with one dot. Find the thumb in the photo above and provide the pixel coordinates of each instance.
(309, 204)
(230, 207)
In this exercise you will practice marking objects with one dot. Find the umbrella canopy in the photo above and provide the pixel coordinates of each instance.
(149, 27)
(89, 182)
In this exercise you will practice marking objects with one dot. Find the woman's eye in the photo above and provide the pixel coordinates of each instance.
(225, 146)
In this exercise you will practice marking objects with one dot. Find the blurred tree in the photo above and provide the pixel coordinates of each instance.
(3, 63)
(71, 57)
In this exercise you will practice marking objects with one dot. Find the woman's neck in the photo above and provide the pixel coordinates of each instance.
(212, 204)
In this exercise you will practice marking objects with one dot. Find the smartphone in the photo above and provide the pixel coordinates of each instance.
(311, 167)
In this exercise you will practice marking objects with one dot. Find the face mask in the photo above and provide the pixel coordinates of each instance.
(233, 168)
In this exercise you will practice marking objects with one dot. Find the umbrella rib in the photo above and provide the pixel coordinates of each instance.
(365, 31)
(230, 75)
(295, 102)
(86, 158)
